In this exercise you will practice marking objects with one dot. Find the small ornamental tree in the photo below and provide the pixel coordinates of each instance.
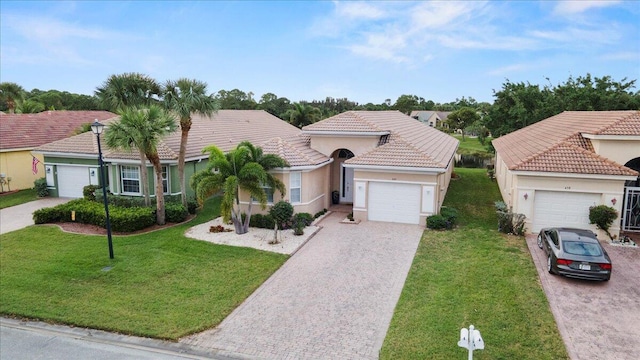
(281, 213)
(603, 216)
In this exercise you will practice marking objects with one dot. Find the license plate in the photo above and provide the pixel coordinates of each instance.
(585, 267)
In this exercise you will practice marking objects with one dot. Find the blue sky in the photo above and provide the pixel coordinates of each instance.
(303, 50)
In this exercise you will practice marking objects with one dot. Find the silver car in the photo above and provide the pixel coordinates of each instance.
(575, 253)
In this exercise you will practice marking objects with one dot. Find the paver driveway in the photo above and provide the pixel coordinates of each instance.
(597, 320)
(333, 299)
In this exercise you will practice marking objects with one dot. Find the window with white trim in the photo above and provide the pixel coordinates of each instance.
(295, 186)
(130, 178)
(269, 191)
(165, 179)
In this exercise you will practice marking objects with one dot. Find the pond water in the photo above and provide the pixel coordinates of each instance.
(472, 161)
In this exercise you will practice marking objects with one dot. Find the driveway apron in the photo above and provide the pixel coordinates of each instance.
(21, 216)
(597, 320)
(333, 299)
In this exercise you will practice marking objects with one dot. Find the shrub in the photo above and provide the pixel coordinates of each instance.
(89, 192)
(603, 216)
(123, 219)
(281, 213)
(218, 229)
(41, 187)
(126, 219)
(305, 218)
(298, 227)
(262, 221)
(450, 215)
(320, 213)
(175, 213)
(508, 221)
(437, 222)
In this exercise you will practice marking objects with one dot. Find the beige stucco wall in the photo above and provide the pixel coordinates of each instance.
(356, 144)
(368, 176)
(314, 192)
(620, 151)
(17, 166)
(608, 189)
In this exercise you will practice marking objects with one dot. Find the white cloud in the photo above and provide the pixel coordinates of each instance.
(358, 10)
(625, 55)
(572, 7)
(435, 15)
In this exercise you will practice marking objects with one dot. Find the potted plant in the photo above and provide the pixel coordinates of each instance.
(335, 197)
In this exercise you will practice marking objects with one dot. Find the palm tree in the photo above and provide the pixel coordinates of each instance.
(245, 168)
(10, 93)
(143, 130)
(127, 89)
(184, 97)
(29, 107)
(302, 115)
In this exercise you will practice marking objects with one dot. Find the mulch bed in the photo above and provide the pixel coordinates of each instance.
(88, 229)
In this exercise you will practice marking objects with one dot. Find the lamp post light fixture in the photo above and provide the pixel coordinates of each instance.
(97, 128)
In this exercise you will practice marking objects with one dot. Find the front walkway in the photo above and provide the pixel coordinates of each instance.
(333, 299)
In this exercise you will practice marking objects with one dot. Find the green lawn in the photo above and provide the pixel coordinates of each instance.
(161, 284)
(471, 145)
(473, 275)
(17, 198)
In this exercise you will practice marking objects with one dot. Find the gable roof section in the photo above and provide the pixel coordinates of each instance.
(19, 131)
(226, 130)
(411, 144)
(557, 144)
(295, 150)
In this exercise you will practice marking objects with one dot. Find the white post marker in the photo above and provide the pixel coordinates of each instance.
(470, 339)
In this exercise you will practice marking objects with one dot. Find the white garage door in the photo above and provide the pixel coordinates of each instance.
(557, 208)
(71, 180)
(394, 202)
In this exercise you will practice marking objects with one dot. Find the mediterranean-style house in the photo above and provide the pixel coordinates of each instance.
(554, 170)
(21, 133)
(431, 118)
(388, 166)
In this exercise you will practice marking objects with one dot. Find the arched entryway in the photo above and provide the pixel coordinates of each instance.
(631, 204)
(342, 177)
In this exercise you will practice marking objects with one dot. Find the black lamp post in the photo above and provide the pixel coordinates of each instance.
(97, 128)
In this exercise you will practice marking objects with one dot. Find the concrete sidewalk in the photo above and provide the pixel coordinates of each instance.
(20, 216)
(333, 299)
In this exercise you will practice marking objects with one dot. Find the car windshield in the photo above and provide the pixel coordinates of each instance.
(581, 248)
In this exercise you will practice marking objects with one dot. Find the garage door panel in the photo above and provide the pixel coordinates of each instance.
(71, 180)
(557, 208)
(394, 202)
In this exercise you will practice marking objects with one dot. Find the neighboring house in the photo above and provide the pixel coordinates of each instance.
(390, 167)
(431, 118)
(554, 170)
(21, 133)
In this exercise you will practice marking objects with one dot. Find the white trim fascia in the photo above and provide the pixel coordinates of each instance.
(18, 149)
(610, 137)
(574, 176)
(397, 181)
(399, 169)
(303, 168)
(337, 133)
(69, 155)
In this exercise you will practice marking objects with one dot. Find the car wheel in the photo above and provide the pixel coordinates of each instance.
(539, 241)
(549, 267)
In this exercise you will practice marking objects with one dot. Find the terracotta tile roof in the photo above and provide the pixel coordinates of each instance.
(19, 131)
(396, 152)
(421, 144)
(557, 144)
(296, 150)
(225, 129)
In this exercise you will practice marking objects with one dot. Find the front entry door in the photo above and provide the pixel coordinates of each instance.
(346, 190)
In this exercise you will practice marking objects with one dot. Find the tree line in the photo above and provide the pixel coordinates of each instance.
(515, 105)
